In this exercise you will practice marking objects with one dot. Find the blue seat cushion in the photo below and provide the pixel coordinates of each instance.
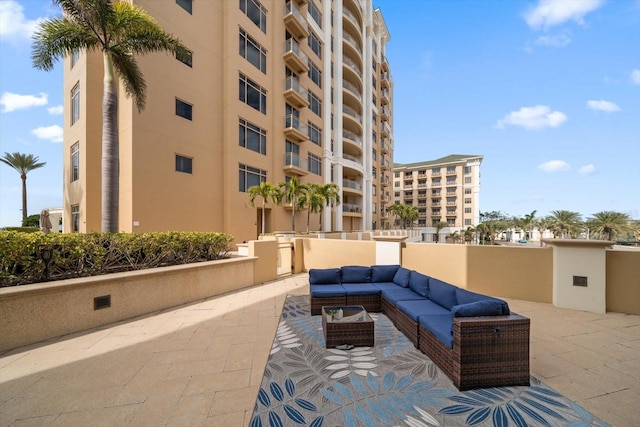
(360, 289)
(465, 297)
(355, 274)
(400, 294)
(387, 286)
(419, 283)
(489, 307)
(401, 277)
(383, 273)
(416, 308)
(324, 276)
(442, 293)
(439, 325)
(327, 291)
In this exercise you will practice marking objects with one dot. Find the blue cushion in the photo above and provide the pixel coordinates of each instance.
(416, 308)
(442, 293)
(360, 289)
(383, 273)
(324, 276)
(386, 285)
(327, 291)
(465, 297)
(355, 274)
(478, 308)
(400, 294)
(439, 325)
(401, 277)
(419, 283)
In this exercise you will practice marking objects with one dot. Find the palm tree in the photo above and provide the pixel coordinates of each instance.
(119, 30)
(23, 163)
(266, 191)
(331, 194)
(291, 191)
(468, 234)
(312, 200)
(608, 224)
(564, 223)
(396, 210)
(527, 223)
(439, 226)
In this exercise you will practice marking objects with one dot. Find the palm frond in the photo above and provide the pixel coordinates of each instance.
(58, 37)
(132, 78)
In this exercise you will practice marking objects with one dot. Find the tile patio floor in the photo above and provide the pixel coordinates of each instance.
(201, 364)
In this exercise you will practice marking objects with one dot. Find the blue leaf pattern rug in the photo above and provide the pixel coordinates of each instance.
(391, 384)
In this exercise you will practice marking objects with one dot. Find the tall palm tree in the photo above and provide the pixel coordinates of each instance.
(527, 223)
(395, 210)
(468, 234)
(268, 192)
(439, 226)
(565, 223)
(331, 193)
(312, 200)
(23, 163)
(291, 191)
(119, 30)
(608, 224)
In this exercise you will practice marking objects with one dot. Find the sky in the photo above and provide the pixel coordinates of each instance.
(548, 91)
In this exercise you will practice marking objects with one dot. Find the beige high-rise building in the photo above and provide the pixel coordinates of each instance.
(443, 190)
(272, 90)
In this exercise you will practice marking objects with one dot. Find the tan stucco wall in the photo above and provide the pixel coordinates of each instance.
(33, 313)
(445, 262)
(265, 267)
(623, 281)
(326, 253)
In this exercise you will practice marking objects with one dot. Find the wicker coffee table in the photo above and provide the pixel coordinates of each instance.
(355, 328)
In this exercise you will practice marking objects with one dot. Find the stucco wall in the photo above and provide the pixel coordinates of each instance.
(326, 253)
(623, 281)
(33, 313)
(445, 262)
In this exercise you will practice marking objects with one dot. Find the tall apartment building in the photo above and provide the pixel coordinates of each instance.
(271, 90)
(445, 189)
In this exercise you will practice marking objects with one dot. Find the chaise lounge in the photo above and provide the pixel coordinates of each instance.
(473, 338)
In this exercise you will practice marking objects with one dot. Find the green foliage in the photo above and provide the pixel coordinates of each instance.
(81, 255)
(32, 221)
(21, 229)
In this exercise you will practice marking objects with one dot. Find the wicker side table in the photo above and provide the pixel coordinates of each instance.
(359, 332)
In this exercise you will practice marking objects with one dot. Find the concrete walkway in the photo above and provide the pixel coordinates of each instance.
(201, 364)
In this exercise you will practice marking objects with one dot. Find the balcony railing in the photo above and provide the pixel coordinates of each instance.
(349, 183)
(294, 57)
(352, 208)
(294, 21)
(293, 160)
(351, 112)
(352, 136)
(295, 93)
(353, 89)
(351, 64)
(294, 128)
(353, 42)
(355, 159)
(351, 16)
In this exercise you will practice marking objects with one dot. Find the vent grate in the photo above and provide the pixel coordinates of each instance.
(102, 302)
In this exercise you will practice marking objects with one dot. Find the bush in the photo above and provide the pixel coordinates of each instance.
(22, 229)
(32, 221)
(81, 255)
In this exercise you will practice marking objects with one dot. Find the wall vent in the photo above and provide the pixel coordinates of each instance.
(102, 302)
(580, 281)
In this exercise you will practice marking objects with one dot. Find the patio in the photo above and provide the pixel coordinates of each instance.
(202, 363)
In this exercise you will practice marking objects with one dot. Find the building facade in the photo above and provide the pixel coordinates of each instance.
(443, 190)
(271, 90)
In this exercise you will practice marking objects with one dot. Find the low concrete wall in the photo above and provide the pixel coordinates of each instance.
(442, 261)
(33, 313)
(326, 253)
(266, 252)
(623, 281)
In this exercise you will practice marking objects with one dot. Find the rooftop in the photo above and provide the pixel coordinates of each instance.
(452, 158)
(202, 364)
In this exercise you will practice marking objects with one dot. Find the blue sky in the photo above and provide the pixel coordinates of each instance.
(547, 91)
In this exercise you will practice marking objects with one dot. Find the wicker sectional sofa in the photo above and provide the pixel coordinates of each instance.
(473, 338)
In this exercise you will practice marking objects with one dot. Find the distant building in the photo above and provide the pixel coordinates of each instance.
(445, 189)
(272, 90)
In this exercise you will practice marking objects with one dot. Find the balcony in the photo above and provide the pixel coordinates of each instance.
(436, 184)
(351, 209)
(385, 79)
(294, 57)
(385, 130)
(384, 164)
(352, 46)
(385, 97)
(351, 68)
(384, 147)
(451, 183)
(295, 130)
(295, 94)
(384, 181)
(384, 198)
(295, 22)
(385, 64)
(351, 94)
(451, 213)
(354, 159)
(350, 20)
(351, 186)
(294, 164)
(351, 116)
(451, 171)
(384, 113)
(435, 173)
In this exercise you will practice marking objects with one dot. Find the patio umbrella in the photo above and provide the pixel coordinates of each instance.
(45, 223)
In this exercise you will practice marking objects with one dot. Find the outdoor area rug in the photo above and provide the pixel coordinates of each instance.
(390, 384)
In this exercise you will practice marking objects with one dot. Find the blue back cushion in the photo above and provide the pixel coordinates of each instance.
(383, 273)
(356, 274)
(442, 293)
(419, 283)
(401, 278)
(465, 297)
(324, 276)
(488, 307)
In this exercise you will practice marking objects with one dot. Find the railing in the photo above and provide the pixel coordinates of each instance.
(355, 159)
(351, 184)
(352, 41)
(352, 136)
(290, 8)
(293, 84)
(353, 89)
(384, 146)
(436, 184)
(351, 64)
(293, 159)
(291, 121)
(422, 185)
(292, 46)
(384, 110)
(351, 112)
(435, 174)
(347, 12)
(451, 183)
(350, 207)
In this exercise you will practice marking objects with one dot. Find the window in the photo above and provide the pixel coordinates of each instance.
(467, 169)
(75, 162)
(315, 104)
(467, 210)
(256, 13)
(315, 44)
(75, 218)
(75, 56)
(253, 94)
(315, 134)
(374, 172)
(467, 200)
(185, 57)
(396, 194)
(184, 164)
(451, 169)
(397, 174)
(252, 51)
(396, 184)
(186, 5)
(467, 180)
(252, 137)
(374, 154)
(467, 221)
(315, 74)
(315, 164)
(451, 222)
(184, 110)
(467, 191)
(75, 103)
(315, 13)
(248, 177)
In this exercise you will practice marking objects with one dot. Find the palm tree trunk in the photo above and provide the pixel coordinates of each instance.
(24, 197)
(293, 214)
(262, 231)
(110, 150)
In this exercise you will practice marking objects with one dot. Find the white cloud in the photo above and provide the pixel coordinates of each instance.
(537, 117)
(14, 26)
(51, 133)
(549, 13)
(555, 166)
(601, 105)
(14, 101)
(560, 40)
(586, 169)
(635, 76)
(58, 109)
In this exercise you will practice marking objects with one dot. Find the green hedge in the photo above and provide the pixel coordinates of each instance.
(81, 255)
